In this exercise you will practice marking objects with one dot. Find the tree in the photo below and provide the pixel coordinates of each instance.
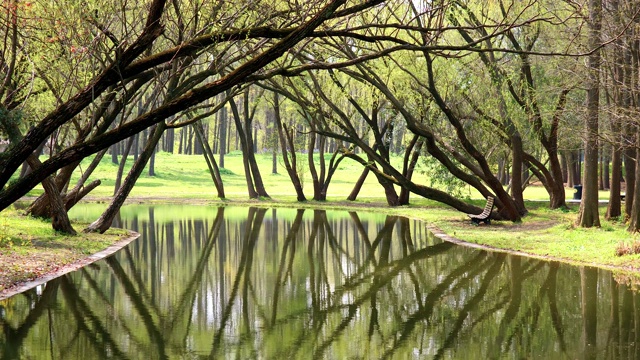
(519, 84)
(588, 215)
(616, 99)
(288, 149)
(255, 185)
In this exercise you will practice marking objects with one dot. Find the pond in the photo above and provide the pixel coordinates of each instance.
(205, 282)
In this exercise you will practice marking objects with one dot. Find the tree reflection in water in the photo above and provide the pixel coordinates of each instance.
(258, 283)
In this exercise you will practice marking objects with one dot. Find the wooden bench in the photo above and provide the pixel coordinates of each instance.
(485, 216)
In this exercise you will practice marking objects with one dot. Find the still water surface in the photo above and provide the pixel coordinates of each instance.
(243, 283)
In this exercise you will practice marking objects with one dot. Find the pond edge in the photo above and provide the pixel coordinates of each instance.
(440, 234)
(110, 250)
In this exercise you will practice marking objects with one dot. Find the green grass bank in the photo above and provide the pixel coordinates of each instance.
(30, 248)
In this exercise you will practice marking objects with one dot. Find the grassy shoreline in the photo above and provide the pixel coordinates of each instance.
(30, 249)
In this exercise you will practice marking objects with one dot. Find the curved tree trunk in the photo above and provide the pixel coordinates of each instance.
(57, 212)
(255, 172)
(255, 187)
(411, 155)
(429, 193)
(210, 159)
(40, 207)
(78, 193)
(358, 185)
(287, 146)
(557, 195)
(250, 150)
(103, 223)
(390, 192)
(123, 162)
(316, 179)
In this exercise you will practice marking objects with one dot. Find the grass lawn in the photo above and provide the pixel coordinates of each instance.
(187, 177)
(182, 178)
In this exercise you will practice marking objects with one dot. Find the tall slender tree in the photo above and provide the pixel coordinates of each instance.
(588, 215)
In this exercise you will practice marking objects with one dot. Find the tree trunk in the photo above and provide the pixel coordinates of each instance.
(59, 217)
(271, 139)
(588, 215)
(358, 185)
(123, 162)
(286, 142)
(517, 172)
(222, 148)
(606, 184)
(152, 163)
(135, 146)
(502, 171)
(103, 223)
(634, 216)
(600, 170)
(412, 153)
(58, 213)
(553, 177)
(78, 193)
(317, 180)
(614, 210)
(40, 207)
(274, 160)
(246, 151)
(114, 154)
(169, 141)
(564, 166)
(250, 149)
(390, 192)
(629, 173)
(614, 207)
(571, 172)
(210, 159)
(579, 167)
(255, 138)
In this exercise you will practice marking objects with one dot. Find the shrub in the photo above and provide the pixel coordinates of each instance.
(625, 248)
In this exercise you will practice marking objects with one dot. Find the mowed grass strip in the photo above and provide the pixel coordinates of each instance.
(187, 177)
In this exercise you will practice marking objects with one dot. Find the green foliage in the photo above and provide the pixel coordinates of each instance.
(440, 178)
(9, 118)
